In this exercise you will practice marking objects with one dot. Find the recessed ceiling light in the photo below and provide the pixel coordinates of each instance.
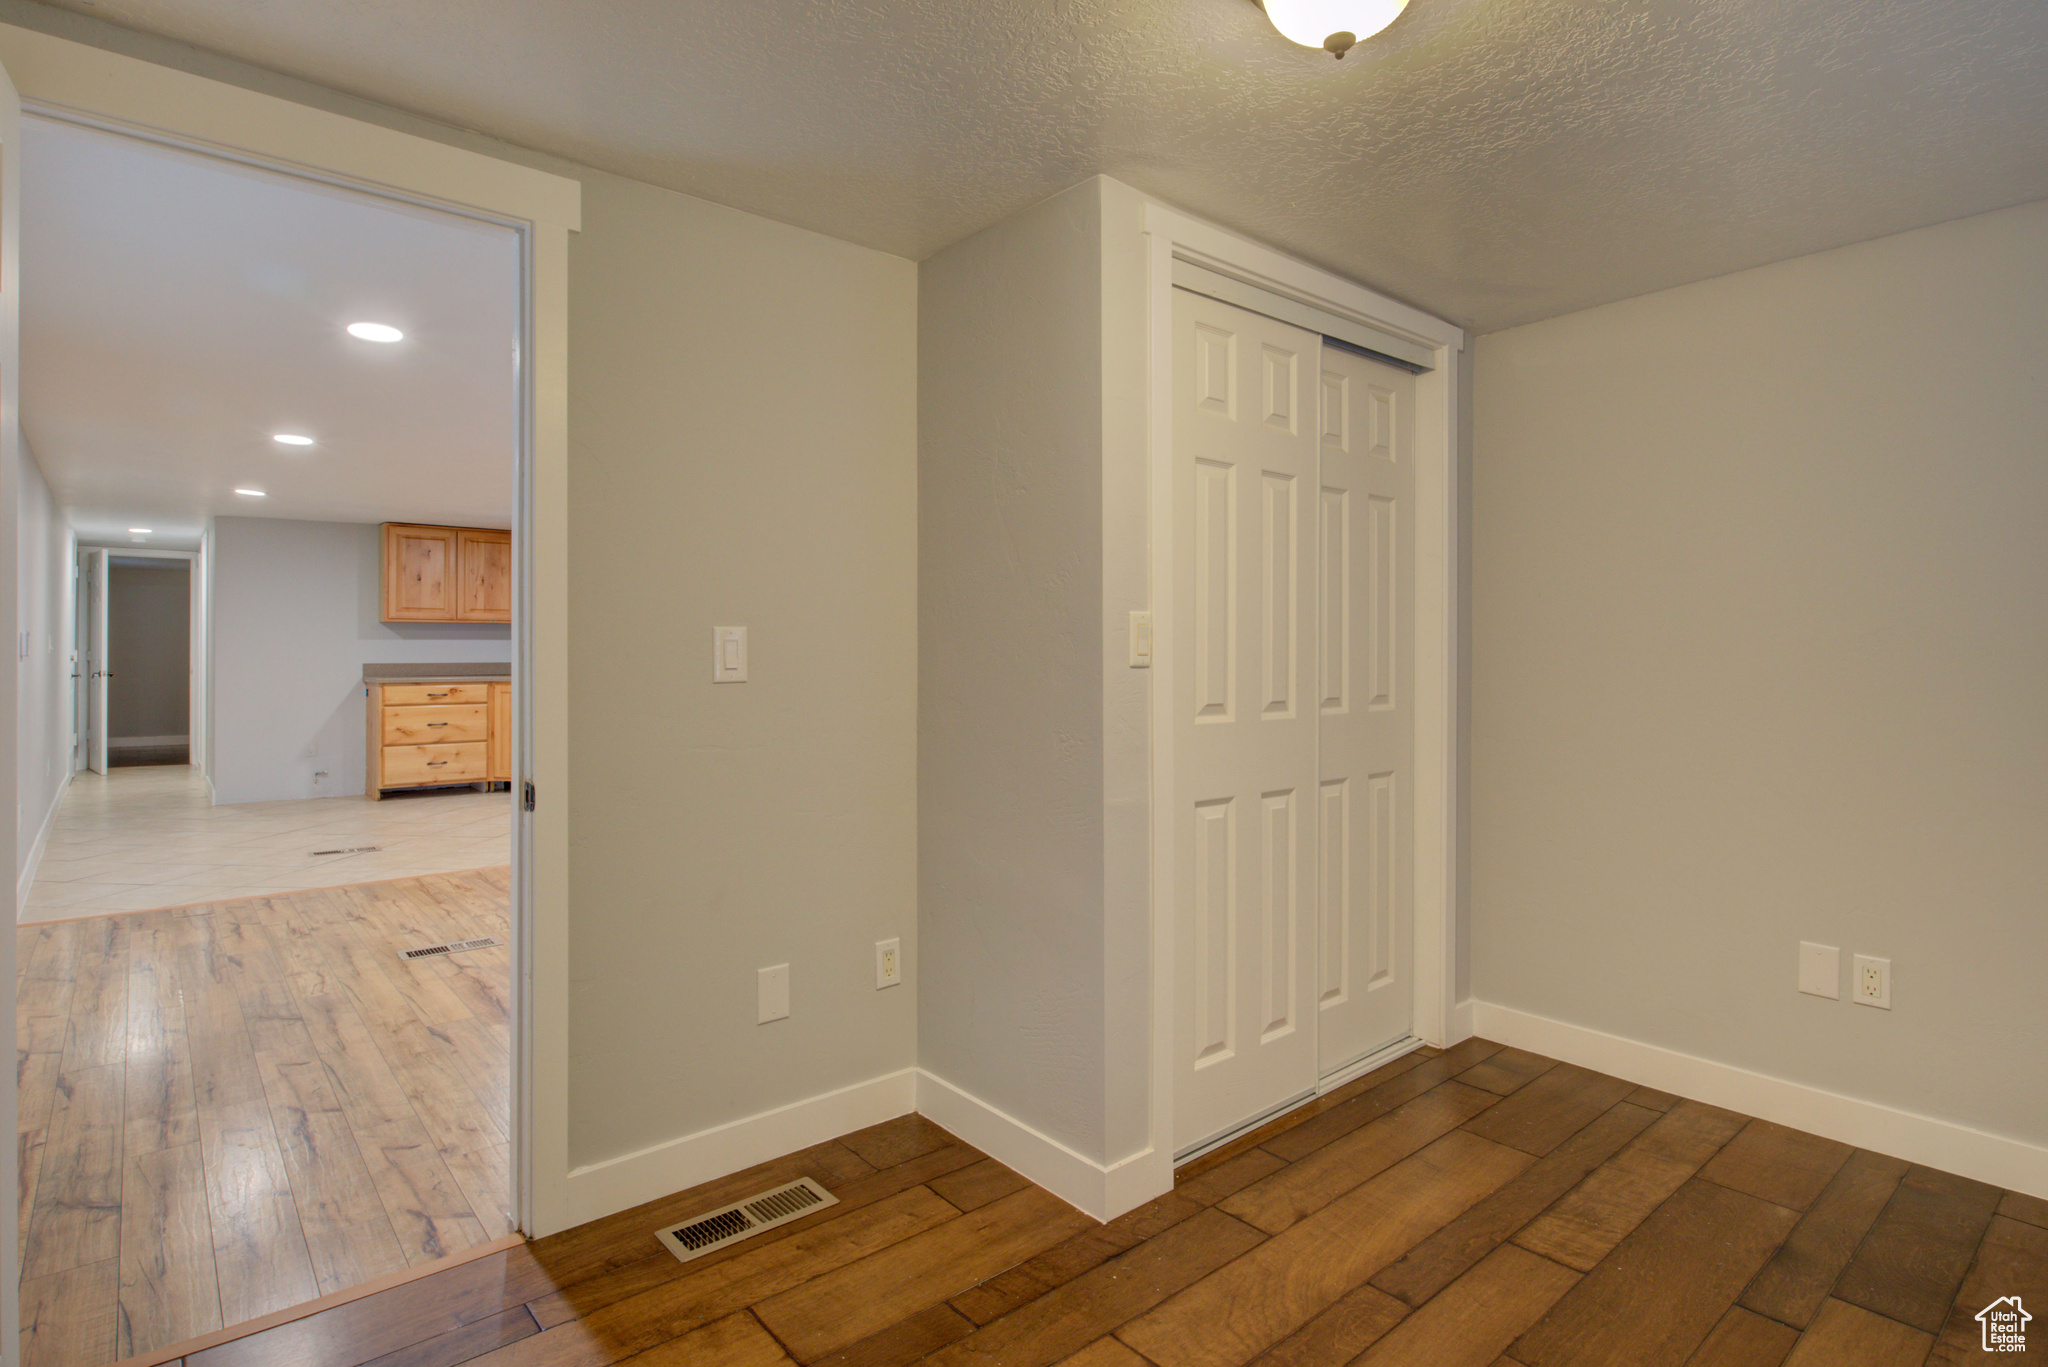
(252, 493)
(138, 531)
(375, 332)
(292, 439)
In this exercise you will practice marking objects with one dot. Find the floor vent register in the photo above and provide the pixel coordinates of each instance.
(744, 1219)
(453, 947)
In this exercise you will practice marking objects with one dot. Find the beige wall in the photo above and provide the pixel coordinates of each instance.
(1760, 600)
(743, 450)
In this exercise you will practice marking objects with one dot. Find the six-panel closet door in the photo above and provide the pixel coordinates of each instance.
(1293, 480)
(1245, 457)
(1365, 990)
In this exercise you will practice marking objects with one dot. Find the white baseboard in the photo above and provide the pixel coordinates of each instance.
(600, 1189)
(1943, 1144)
(1103, 1191)
(34, 861)
(144, 742)
(1461, 1023)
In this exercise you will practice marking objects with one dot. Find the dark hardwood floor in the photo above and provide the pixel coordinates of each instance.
(1482, 1206)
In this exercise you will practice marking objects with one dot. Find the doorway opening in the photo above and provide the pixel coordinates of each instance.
(141, 714)
(238, 1094)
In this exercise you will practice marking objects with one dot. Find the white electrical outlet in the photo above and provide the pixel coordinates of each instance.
(1820, 970)
(888, 963)
(1872, 980)
(772, 994)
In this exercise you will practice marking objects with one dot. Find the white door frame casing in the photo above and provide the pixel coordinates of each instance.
(195, 707)
(77, 83)
(1170, 234)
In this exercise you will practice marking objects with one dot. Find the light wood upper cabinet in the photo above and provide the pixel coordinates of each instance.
(419, 573)
(447, 574)
(484, 561)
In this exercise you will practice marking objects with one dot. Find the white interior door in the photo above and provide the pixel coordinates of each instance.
(1364, 798)
(96, 661)
(1244, 643)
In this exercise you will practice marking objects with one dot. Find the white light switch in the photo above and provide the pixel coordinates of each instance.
(772, 987)
(1141, 640)
(728, 654)
(1820, 970)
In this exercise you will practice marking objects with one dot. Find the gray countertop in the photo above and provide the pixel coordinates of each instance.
(436, 673)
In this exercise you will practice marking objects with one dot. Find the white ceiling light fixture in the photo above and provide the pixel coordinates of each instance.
(252, 493)
(292, 439)
(375, 332)
(139, 531)
(1335, 26)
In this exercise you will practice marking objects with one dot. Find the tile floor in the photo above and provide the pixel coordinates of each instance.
(138, 839)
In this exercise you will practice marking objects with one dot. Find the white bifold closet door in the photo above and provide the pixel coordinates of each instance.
(1292, 508)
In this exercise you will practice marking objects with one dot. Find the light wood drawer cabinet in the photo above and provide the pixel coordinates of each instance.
(447, 574)
(407, 766)
(423, 734)
(423, 694)
(501, 733)
(436, 724)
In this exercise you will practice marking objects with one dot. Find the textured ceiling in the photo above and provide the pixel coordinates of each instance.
(1493, 160)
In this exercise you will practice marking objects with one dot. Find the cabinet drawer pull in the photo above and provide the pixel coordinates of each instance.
(436, 763)
(437, 695)
(436, 723)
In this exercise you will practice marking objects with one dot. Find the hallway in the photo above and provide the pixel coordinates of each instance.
(137, 839)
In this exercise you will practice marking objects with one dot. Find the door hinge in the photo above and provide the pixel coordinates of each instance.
(529, 795)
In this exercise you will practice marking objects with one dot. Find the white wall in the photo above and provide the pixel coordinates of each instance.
(44, 557)
(1126, 553)
(743, 451)
(202, 660)
(199, 692)
(1010, 749)
(294, 621)
(149, 649)
(1760, 649)
(1034, 750)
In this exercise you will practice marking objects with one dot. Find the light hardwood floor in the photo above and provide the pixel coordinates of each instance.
(232, 1108)
(1482, 1207)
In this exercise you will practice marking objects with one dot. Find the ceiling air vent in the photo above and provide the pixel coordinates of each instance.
(455, 947)
(717, 1228)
